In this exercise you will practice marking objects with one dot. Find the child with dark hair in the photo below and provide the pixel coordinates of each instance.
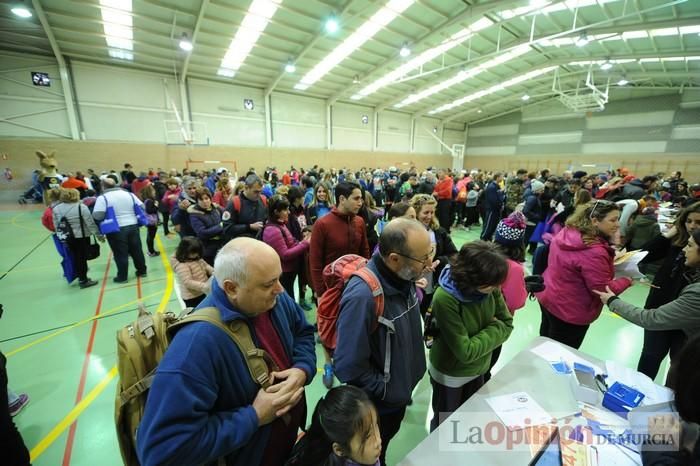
(472, 320)
(193, 273)
(343, 432)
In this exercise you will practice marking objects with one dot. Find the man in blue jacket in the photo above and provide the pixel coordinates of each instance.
(494, 200)
(204, 405)
(386, 358)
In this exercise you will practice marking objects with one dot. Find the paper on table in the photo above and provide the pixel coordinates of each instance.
(653, 393)
(518, 411)
(554, 352)
(627, 265)
(614, 455)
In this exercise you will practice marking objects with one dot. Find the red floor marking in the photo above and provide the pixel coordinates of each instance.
(83, 375)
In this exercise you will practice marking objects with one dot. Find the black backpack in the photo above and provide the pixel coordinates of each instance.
(64, 232)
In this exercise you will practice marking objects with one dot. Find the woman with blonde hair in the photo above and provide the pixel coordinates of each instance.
(223, 192)
(443, 247)
(581, 261)
(82, 228)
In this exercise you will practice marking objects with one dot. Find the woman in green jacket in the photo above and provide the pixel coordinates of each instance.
(472, 320)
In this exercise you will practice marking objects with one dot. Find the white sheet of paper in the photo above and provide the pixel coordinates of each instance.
(652, 393)
(518, 410)
(630, 268)
(613, 455)
(554, 352)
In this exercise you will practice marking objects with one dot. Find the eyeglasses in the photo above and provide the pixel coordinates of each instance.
(420, 261)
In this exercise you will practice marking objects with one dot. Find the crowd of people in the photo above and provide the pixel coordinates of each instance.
(261, 247)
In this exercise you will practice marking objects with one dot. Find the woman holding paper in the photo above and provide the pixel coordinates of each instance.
(682, 313)
(580, 260)
(669, 280)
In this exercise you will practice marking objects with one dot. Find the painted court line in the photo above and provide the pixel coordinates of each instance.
(86, 365)
(78, 409)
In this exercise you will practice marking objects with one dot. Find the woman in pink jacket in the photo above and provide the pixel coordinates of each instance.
(277, 235)
(580, 261)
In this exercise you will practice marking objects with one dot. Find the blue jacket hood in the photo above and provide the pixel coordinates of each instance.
(448, 284)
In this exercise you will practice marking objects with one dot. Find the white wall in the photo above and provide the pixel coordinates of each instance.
(123, 104)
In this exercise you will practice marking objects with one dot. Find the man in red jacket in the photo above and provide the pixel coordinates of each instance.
(443, 194)
(336, 234)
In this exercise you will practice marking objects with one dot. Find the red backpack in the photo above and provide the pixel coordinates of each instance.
(335, 277)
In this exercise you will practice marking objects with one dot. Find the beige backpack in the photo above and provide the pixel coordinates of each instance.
(140, 347)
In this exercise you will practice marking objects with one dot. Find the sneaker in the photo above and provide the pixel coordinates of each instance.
(141, 274)
(154, 254)
(120, 280)
(305, 305)
(88, 283)
(19, 404)
(328, 376)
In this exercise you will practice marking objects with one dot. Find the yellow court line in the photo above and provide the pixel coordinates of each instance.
(78, 409)
(77, 324)
(13, 222)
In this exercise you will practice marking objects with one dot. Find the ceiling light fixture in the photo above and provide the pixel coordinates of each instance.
(254, 23)
(117, 23)
(525, 97)
(331, 25)
(365, 32)
(451, 42)
(356, 79)
(582, 40)
(405, 51)
(605, 66)
(623, 81)
(478, 110)
(290, 67)
(185, 42)
(21, 10)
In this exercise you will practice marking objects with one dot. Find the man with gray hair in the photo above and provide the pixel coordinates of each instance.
(385, 357)
(204, 405)
(127, 241)
(246, 213)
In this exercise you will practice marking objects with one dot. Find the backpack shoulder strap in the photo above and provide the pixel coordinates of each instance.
(237, 203)
(258, 361)
(263, 198)
(375, 286)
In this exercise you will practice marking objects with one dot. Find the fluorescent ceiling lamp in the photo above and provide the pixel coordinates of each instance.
(525, 98)
(582, 40)
(118, 28)
(405, 51)
(21, 11)
(290, 67)
(331, 25)
(185, 43)
(364, 33)
(496, 88)
(606, 65)
(423, 58)
(464, 75)
(623, 82)
(252, 26)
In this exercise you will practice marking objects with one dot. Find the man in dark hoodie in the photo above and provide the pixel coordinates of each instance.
(246, 215)
(636, 189)
(361, 356)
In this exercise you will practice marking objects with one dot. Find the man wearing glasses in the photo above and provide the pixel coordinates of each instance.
(386, 358)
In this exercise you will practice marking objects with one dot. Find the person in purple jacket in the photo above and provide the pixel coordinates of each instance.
(277, 235)
(203, 406)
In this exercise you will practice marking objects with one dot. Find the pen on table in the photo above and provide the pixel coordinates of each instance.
(650, 285)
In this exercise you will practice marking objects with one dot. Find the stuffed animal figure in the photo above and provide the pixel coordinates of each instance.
(49, 178)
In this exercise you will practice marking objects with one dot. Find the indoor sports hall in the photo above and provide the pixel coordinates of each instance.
(259, 85)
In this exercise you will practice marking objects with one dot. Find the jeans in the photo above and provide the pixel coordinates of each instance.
(150, 236)
(12, 448)
(124, 243)
(78, 248)
(166, 219)
(563, 332)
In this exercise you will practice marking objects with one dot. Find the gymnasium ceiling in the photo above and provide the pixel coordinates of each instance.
(469, 60)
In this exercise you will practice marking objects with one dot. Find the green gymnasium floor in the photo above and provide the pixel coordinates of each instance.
(60, 343)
